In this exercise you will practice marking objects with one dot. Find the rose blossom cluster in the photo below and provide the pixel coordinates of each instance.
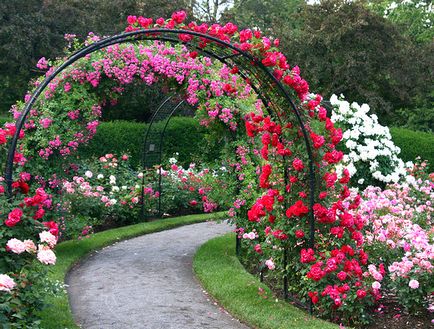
(399, 230)
(372, 156)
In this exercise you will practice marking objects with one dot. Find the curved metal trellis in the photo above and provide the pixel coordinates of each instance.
(153, 147)
(274, 94)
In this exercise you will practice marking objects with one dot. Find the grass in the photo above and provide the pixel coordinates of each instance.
(58, 313)
(222, 275)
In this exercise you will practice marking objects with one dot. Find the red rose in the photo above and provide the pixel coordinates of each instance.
(361, 293)
(307, 256)
(258, 249)
(313, 297)
(53, 227)
(316, 273)
(342, 275)
(131, 19)
(14, 217)
(297, 209)
(179, 16)
(299, 234)
(298, 164)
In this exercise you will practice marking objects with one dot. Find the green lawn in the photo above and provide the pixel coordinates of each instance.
(222, 275)
(58, 314)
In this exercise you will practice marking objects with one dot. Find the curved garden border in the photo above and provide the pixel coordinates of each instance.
(218, 269)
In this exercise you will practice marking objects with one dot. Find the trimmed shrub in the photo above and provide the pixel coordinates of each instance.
(183, 135)
(414, 144)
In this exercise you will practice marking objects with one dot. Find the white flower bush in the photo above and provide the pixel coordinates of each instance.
(371, 157)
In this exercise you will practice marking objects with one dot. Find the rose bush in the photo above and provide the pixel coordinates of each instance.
(371, 156)
(400, 237)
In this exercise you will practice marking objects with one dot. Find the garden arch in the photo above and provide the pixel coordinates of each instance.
(270, 89)
(153, 146)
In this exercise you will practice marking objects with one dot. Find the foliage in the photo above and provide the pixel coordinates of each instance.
(414, 144)
(415, 17)
(371, 157)
(183, 135)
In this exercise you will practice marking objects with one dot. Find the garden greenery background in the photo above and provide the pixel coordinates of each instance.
(373, 52)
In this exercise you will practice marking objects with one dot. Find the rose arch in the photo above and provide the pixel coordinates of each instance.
(292, 206)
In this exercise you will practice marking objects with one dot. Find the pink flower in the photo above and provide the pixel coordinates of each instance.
(45, 122)
(270, 264)
(42, 64)
(46, 255)
(413, 284)
(376, 285)
(6, 283)
(30, 246)
(48, 238)
(16, 246)
(298, 164)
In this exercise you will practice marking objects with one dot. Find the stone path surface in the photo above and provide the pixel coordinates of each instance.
(147, 283)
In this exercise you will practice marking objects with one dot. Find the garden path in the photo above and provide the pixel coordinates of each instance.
(148, 283)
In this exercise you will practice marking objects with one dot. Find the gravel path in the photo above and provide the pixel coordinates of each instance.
(148, 283)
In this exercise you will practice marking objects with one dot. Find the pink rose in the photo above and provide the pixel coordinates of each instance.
(376, 285)
(413, 284)
(6, 283)
(30, 246)
(46, 255)
(16, 246)
(270, 264)
(48, 238)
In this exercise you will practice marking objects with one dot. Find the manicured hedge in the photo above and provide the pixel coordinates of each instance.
(414, 144)
(183, 135)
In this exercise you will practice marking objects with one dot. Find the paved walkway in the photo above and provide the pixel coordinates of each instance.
(147, 283)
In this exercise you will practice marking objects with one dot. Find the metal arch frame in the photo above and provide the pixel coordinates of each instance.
(162, 134)
(160, 34)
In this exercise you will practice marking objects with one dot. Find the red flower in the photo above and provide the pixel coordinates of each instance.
(313, 297)
(258, 248)
(299, 234)
(53, 227)
(263, 178)
(131, 20)
(14, 217)
(333, 156)
(317, 140)
(245, 35)
(316, 273)
(307, 256)
(361, 293)
(297, 164)
(342, 275)
(144, 22)
(3, 139)
(280, 235)
(39, 214)
(256, 212)
(298, 209)
(179, 16)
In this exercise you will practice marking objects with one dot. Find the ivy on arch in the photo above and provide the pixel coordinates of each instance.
(292, 208)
